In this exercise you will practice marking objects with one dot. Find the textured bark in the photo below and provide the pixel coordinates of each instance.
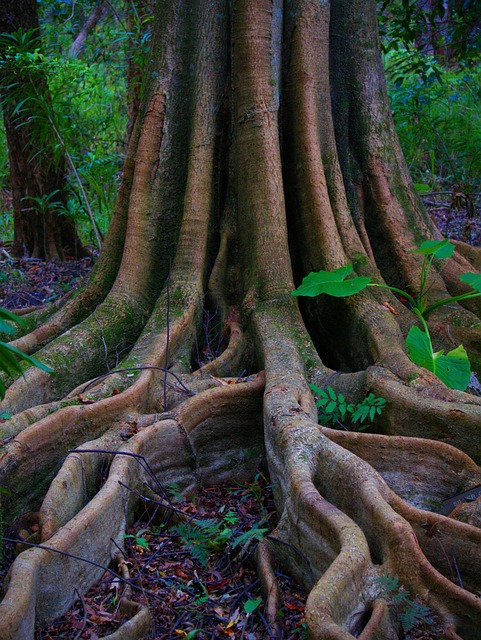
(264, 149)
(34, 172)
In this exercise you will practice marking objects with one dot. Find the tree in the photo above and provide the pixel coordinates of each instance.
(98, 13)
(37, 173)
(264, 149)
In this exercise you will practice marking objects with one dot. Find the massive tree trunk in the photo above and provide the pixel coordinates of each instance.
(38, 176)
(264, 149)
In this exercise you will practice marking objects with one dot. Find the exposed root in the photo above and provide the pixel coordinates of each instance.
(353, 507)
(140, 622)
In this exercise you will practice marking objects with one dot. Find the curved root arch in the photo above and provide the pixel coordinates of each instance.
(224, 198)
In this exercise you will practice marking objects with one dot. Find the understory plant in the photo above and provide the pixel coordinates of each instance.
(9, 356)
(334, 408)
(411, 612)
(204, 537)
(453, 368)
(80, 121)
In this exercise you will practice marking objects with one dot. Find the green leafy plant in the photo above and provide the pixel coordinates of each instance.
(411, 612)
(253, 489)
(204, 537)
(333, 408)
(256, 533)
(83, 121)
(9, 356)
(175, 491)
(452, 368)
(139, 538)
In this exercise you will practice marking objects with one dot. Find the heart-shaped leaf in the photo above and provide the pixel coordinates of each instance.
(473, 279)
(452, 368)
(438, 248)
(333, 283)
(251, 605)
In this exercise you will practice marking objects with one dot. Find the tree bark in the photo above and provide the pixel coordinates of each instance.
(264, 149)
(38, 179)
(98, 14)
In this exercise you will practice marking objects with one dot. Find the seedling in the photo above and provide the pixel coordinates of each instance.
(204, 537)
(452, 368)
(334, 408)
(411, 612)
(139, 539)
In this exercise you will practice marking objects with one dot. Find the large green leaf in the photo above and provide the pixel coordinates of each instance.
(439, 248)
(6, 348)
(333, 283)
(5, 318)
(11, 366)
(473, 279)
(452, 368)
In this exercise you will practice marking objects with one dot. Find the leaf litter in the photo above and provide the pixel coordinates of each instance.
(190, 594)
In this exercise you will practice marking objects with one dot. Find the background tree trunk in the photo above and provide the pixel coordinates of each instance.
(264, 148)
(98, 14)
(38, 179)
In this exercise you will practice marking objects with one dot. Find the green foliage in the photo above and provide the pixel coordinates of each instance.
(9, 356)
(251, 605)
(447, 29)
(175, 491)
(138, 538)
(256, 533)
(204, 537)
(411, 612)
(82, 118)
(333, 283)
(437, 118)
(333, 408)
(453, 368)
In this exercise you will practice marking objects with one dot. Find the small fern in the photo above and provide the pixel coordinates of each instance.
(203, 537)
(256, 533)
(411, 612)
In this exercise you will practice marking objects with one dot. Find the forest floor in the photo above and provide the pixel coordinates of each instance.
(196, 577)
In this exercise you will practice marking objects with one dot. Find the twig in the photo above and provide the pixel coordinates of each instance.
(84, 619)
(457, 571)
(266, 625)
(143, 368)
(147, 468)
(95, 564)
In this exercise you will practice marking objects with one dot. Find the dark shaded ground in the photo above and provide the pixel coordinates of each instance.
(32, 283)
(457, 216)
(195, 577)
